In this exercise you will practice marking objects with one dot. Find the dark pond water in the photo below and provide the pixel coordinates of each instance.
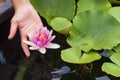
(43, 67)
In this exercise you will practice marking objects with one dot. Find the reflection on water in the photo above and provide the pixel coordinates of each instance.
(58, 73)
(103, 78)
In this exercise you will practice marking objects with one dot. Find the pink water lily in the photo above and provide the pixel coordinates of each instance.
(41, 39)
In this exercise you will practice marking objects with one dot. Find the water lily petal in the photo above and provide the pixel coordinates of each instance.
(50, 32)
(42, 50)
(30, 36)
(52, 37)
(44, 30)
(34, 48)
(29, 43)
(53, 46)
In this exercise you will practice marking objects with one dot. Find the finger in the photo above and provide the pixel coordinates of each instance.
(13, 30)
(25, 47)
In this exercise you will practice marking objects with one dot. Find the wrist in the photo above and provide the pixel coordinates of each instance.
(20, 3)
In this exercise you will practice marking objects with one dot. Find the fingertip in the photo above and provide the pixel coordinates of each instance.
(10, 36)
(27, 54)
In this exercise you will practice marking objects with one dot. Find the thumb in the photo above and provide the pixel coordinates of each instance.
(13, 29)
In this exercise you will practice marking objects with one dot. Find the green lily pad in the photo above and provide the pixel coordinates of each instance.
(111, 68)
(116, 58)
(84, 5)
(115, 11)
(61, 25)
(50, 9)
(74, 55)
(94, 30)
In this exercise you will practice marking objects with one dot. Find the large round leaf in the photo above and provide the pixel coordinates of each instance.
(50, 9)
(94, 30)
(74, 55)
(111, 68)
(84, 5)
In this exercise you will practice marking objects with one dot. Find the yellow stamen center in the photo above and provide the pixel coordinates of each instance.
(42, 36)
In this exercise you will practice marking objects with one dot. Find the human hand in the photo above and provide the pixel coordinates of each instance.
(25, 19)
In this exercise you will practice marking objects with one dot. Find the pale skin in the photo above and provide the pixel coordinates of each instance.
(25, 20)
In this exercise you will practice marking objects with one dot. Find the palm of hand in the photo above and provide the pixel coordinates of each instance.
(25, 19)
